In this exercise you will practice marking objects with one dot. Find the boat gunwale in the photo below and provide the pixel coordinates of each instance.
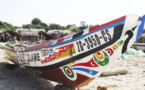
(91, 29)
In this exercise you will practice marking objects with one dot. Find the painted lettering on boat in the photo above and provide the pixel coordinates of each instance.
(33, 57)
(94, 40)
(29, 57)
(26, 58)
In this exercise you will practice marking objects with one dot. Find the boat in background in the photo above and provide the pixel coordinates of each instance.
(77, 59)
(140, 43)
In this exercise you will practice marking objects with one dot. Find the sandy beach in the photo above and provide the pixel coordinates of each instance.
(20, 79)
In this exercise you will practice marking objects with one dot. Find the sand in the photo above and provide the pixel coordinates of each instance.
(20, 79)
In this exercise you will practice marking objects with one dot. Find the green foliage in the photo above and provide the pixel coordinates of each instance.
(55, 26)
(140, 40)
(38, 26)
(17, 27)
(27, 26)
(69, 25)
(5, 25)
(75, 30)
(63, 28)
(90, 25)
(43, 24)
(36, 21)
(47, 28)
(83, 27)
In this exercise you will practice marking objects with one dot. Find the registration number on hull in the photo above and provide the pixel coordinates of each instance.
(94, 40)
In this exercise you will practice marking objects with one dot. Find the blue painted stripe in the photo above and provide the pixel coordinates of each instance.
(89, 71)
(113, 25)
(141, 27)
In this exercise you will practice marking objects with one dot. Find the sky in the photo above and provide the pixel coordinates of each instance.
(64, 12)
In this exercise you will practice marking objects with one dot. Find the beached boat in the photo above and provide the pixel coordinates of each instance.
(77, 59)
(140, 44)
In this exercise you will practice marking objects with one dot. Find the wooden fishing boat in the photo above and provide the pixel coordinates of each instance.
(77, 59)
(140, 44)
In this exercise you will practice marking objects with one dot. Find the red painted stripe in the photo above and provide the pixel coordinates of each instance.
(47, 41)
(37, 46)
(37, 42)
(60, 40)
(138, 45)
(106, 24)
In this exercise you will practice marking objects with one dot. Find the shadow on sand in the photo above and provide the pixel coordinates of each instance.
(20, 79)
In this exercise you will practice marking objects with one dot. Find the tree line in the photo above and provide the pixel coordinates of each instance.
(38, 24)
(5, 25)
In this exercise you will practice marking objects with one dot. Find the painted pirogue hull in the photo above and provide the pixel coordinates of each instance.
(78, 59)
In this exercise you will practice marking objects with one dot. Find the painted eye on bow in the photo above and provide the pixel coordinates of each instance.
(109, 52)
(103, 62)
(114, 48)
(97, 61)
(118, 44)
(90, 71)
(92, 64)
(106, 56)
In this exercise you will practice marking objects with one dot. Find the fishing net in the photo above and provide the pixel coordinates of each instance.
(132, 52)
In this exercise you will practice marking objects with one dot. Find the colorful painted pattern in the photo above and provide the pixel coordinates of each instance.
(53, 54)
(11, 55)
(89, 68)
(24, 59)
(44, 52)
